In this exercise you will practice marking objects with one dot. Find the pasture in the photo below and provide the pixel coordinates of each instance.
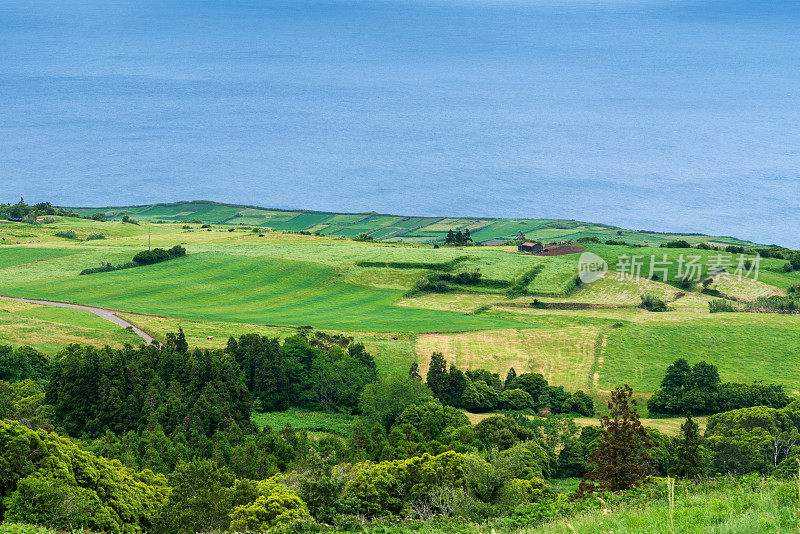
(235, 282)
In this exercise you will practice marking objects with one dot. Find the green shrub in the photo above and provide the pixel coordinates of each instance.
(67, 234)
(720, 306)
(275, 507)
(679, 243)
(431, 418)
(389, 487)
(157, 255)
(652, 302)
(107, 267)
(774, 304)
(516, 399)
(94, 236)
(50, 480)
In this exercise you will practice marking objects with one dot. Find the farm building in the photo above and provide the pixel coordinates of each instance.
(530, 246)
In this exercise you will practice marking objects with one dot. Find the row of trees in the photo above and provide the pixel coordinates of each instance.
(458, 238)
(698, 390)
(157, 255)
(317, 371)
(145, 257)
(30, 212)
(480, 390)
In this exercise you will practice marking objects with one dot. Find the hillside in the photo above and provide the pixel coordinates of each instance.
(239, 279)
(392, 227)
(293, 347)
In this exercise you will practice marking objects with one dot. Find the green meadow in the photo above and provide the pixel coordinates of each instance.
(235, 280)
(242, 289)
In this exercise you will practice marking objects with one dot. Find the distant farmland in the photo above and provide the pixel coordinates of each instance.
(392, 227)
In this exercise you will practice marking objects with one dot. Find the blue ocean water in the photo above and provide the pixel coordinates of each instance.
(653, 114)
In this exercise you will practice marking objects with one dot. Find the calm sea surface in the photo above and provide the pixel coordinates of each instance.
(667, 115)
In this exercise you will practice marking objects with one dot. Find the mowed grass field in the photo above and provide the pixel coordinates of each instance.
(241, 289)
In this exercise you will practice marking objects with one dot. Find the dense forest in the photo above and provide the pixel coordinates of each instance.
(160, 439)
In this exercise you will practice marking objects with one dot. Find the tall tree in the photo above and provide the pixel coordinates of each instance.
(413, 372)
(437, 375)
(510, 377)
(456, 384)
(689, 461)
(181, 345)
(678, 377)
(622, 459)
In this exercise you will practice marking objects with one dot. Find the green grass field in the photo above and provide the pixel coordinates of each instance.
(242, 289)
(745, 347)
(13, 256)
(330, 423)
(235, 282)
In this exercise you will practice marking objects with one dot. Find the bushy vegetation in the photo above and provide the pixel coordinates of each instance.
(167, 445)
(479, 390)
(29, 213)
(439, 267)
(652, 302)
(720, 306)
(773, 305)
(678, 243)
(95, 236)
(145, 257)
(458, 238)
(697, 390)
(157, 255)
(67, 234)
(49, 480)
(442, 282)
(318, 371)
(93, 390)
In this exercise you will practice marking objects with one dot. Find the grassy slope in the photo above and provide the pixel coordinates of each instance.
(227, 288)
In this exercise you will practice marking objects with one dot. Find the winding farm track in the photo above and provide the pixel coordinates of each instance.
(101, 312)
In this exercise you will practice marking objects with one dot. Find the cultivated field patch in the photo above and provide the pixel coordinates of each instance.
(564, 356)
